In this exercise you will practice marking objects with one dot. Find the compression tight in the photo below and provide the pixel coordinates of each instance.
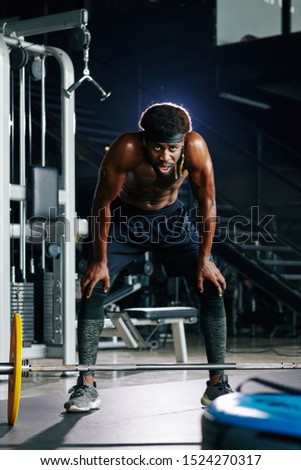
(213, 326)
(90, 325)
(212, 323)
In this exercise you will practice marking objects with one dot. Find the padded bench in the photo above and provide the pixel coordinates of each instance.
(174, 316)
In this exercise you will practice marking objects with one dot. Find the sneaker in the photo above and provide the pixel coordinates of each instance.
(84, 397)
(217, 390)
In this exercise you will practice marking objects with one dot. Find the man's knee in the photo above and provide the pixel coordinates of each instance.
(212, 304)
(92, 308)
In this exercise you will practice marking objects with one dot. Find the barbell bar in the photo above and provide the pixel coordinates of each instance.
(26, 368)
(17, 368)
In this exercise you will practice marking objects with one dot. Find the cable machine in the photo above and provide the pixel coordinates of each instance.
(38, 188)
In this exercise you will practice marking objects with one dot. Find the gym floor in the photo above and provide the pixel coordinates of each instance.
(139, 410)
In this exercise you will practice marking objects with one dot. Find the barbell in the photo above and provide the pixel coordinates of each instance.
(18, 368)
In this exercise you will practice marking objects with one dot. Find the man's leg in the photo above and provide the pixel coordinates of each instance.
(89, 327)
(213, 324)
(84, 395)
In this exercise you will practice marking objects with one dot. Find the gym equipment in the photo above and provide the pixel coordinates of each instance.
(18, 58)
(37, 69)
(14, 143)
(17, 368)
(80, 39)
(42, 193)
(259, 421)
(15, 380)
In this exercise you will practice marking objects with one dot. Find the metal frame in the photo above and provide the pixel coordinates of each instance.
(46, 24)
(68, 170)
(17, 192)
(122, 326)
(4, 201)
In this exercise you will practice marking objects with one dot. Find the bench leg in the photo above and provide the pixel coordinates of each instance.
(179, 340)
(125, 329)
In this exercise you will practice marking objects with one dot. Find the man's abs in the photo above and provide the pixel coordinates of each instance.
(144, 190)
(146, 199)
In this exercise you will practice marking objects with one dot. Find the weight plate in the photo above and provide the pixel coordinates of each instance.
(15, 379)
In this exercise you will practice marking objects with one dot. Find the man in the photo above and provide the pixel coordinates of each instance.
(136, 209)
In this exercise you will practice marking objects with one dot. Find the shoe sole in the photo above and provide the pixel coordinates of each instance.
(75, 409)
(205, 401)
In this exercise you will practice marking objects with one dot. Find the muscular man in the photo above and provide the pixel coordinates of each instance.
(136, 210)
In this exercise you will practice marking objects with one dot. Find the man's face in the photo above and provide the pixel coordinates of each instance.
(163, 156)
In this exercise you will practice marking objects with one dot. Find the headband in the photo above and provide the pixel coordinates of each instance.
(165, 138)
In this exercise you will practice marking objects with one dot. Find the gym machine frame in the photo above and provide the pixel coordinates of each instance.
(12, 35)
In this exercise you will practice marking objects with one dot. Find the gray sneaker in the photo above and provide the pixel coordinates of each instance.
(214, 391)
(83, 397)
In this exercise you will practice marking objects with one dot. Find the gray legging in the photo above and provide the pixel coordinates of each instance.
(212, 323)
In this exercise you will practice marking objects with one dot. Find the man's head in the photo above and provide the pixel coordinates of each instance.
(165, 122)
(165, 125)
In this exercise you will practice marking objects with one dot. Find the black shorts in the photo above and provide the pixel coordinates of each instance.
(168, 233)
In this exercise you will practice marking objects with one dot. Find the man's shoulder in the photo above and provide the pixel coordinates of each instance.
(128, 143)
(196, 151)
(130, 137)
(126, 148)
(194, 142)
(193, 136)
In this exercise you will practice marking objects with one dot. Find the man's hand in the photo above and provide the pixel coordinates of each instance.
(97, 271)
(208, 271)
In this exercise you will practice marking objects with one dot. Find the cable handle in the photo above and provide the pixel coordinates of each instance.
(86, 60)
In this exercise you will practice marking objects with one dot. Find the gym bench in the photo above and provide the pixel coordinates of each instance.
(125, 323)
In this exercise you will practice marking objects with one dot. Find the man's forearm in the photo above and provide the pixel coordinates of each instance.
(101, 220)
(207, 214)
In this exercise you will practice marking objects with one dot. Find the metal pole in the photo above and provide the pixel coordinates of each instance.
(22, 180)
(43, 114)
(5, 267)
(68, 181)
(46, 24)
(43, 147)
(8, 368)
(164, 367)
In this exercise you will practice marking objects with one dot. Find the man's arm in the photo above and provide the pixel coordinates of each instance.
(201, 175)
(112, 174)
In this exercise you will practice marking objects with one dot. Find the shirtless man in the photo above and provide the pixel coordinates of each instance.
(136, 210)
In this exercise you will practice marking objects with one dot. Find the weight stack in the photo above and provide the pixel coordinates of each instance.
(22, 301)
(43, 306)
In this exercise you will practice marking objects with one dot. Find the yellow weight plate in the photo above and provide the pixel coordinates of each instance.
(15, 379)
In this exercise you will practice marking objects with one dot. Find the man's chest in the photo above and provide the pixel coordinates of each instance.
(145, 176)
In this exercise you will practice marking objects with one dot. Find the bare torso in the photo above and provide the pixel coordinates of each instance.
(144, 189)
(148, 175)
